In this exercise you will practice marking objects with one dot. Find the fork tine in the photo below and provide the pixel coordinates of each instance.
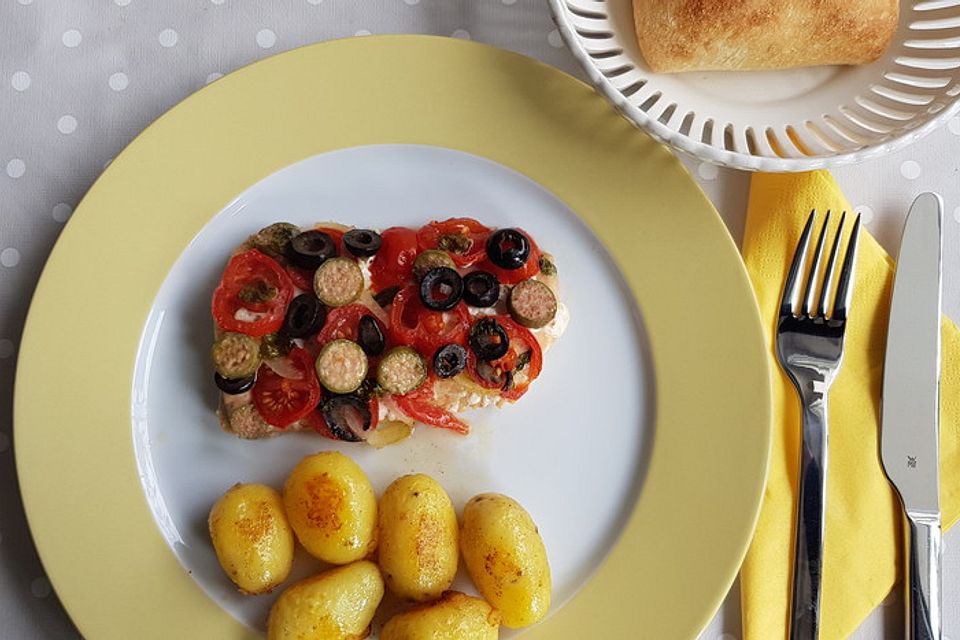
(845, 287)
(814, 275)
(826, 293)
(791, 288)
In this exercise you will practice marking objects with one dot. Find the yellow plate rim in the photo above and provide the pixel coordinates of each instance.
(690, 529)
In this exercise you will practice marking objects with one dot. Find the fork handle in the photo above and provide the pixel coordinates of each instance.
(811, 511)
(922, 580)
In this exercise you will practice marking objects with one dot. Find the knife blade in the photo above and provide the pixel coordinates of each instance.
(910, 442)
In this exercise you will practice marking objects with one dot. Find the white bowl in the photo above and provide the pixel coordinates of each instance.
(790, 120)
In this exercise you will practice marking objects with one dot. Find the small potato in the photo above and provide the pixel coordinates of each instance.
(331, 507)
(252, 537)
(454, 617)
(506, 558)
(334, 605)
(418, 538)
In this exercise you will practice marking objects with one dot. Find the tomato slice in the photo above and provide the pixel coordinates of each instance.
(253, 294)
(463, 238)
(413, 324)
(282, 401)
(512, 276)
(342, 322)
(523, 359)
(419, 405)
(302, 278)
(392, 266)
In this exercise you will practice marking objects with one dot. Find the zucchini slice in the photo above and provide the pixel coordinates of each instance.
(338, 282)
(236, 355)
(401, 371)
(532, 304)
(341, 366)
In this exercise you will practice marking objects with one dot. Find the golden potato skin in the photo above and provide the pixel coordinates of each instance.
(337, 604)
(418, 535)
(252, 538)
(506, 559)
(331, 507)
(455, 616)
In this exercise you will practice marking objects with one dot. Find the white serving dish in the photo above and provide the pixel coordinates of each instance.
(790, 120)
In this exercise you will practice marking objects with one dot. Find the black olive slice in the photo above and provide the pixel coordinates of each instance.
(441, 288)
(348, 417)
(369, 336)
(508, 248)
(233, 386)
(305, 316)
(311, 248)
(488, 339)
(449, 360)
(481, 289)
(362, 243)
(385, 297)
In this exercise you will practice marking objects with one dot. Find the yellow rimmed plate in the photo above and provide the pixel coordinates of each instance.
(102, 538)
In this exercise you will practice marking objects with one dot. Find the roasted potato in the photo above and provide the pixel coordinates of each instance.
(331, 507)
(418, 538)
(454, 617)
(506, 559)
(252, 537)
(334, 605)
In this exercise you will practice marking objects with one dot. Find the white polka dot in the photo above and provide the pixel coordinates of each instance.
(865, 212)
(555, 40)
(266, 38)
(463, 34)
(216, 75)
(121, 3)
(4, 442)
(6, 348)
(168, 38)
(67, 124)
(910, 169)
(954, 126)
(118, 81)
(71, 38)
(16, 168)
(20, 81)
(362, 32)
(40, 587)
(61, 212)
(708, 171)
(9, 257)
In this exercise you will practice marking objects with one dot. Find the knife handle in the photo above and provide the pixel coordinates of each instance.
(922, 579)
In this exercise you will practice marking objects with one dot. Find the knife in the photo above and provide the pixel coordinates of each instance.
(910, 444)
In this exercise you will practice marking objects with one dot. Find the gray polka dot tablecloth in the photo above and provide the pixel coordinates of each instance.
(79, 79)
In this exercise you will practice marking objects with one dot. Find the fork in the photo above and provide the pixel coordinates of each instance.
(810, 349)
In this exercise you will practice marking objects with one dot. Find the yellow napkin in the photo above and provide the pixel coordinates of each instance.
(862, 549)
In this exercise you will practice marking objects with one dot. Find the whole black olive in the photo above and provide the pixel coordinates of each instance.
(441, 288)
(449, 360)
(508, 248)
(481, 289)
(362, 243)
(488, 339)
(370, 337)
(312, 248)
(348, 417)
(305, 316)
(233, 386)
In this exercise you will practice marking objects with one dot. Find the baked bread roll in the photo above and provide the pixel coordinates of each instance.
(700, 35)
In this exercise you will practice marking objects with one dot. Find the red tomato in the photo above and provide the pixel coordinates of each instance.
(393, 264)
(282, 401)
(463, 238)
(512, 276)
(246, 273)
(411, 323)
(342, 322)
(521, 342)
(301, 278)
(418, 404)
(337, 236)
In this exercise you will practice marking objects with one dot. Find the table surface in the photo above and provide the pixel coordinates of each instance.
(78, 80)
